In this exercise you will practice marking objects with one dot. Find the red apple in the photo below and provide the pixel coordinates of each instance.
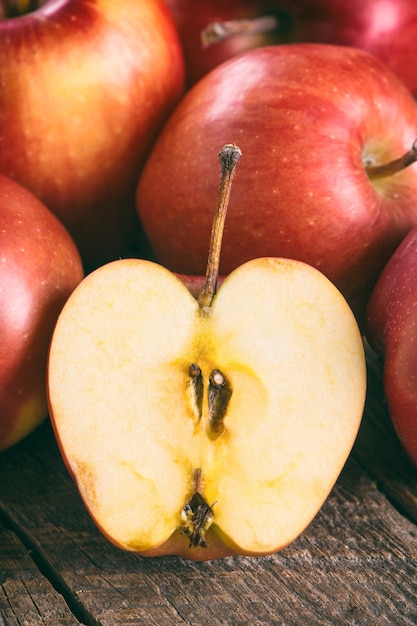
(385, 28)
(86, 86)
(314, 118)
(391, 329)
(193, 17)
(39, 268)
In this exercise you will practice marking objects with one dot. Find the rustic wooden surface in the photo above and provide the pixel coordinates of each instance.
(356, 564)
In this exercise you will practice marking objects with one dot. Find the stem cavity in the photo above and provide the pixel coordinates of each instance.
(393, 167)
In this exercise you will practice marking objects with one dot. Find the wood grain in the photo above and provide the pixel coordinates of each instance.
(355, 564)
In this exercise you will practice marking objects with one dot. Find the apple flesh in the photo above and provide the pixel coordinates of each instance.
(317, 118)
(391, 329)
(140, 435)
(39, 268)
(385, 28)
(86, 86)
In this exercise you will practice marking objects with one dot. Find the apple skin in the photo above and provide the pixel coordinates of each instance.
(307, 116)
(195, 283)
(86, 86)
(39, 268)
(385, 28)
(191, 18)
(391, 330)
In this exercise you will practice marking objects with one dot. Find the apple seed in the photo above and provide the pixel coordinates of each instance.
(196, 386)
(218, 396)
(219, 392)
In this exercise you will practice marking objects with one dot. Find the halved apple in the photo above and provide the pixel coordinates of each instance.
(206, 427)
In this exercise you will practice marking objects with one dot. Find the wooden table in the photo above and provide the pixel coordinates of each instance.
(355, 564)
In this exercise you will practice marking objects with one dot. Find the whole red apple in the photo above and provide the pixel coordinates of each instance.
(385, 28)
(314, 119)
(85, 88)
(391, 329)
(39, 268)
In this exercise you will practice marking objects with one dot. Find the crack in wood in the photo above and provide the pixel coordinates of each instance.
(355, 563)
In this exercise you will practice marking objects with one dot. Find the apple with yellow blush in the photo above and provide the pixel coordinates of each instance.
(85, 87)
(39, 268)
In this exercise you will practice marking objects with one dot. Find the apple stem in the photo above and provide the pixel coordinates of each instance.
(393, 167)
(229, 156)
(215, 32)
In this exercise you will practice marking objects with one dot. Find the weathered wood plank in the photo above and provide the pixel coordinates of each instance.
(355, 564)
(26, 596)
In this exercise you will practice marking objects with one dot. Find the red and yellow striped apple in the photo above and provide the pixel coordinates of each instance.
(39, 268)
(85, 88)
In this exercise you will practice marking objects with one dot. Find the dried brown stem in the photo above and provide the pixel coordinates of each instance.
(229, 156)
(215, 32)
(393, 167)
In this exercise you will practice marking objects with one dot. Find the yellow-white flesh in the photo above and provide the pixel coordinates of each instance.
(120, 402)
